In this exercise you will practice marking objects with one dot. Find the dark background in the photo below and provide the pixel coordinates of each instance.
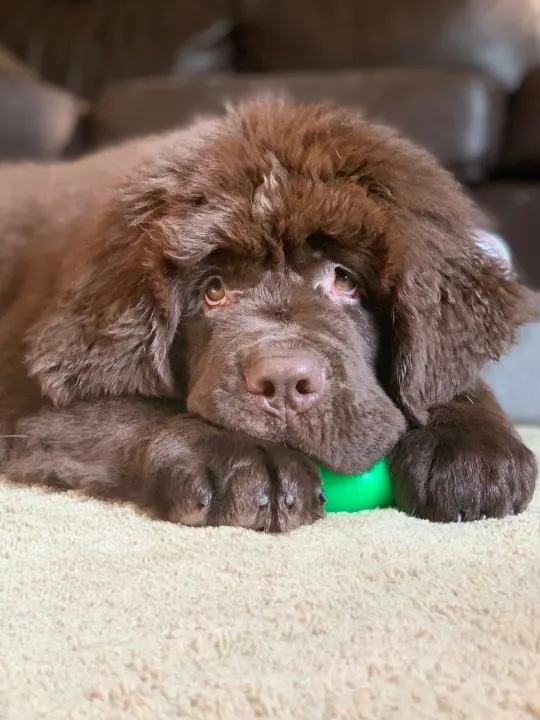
(461, 77)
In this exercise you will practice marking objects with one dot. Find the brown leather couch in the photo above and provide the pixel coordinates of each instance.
(461, 77)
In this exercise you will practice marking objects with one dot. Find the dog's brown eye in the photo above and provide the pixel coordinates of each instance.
(344, 283)
(215, 293)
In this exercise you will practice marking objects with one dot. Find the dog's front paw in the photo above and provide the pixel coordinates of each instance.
(223, 478)
(448, 473)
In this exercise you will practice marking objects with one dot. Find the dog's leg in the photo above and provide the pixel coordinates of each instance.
(467, 463)
(175, 466)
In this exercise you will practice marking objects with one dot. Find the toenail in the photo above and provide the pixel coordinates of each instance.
(289, 499)
(263, 500)
(322, 497)
(205, 499)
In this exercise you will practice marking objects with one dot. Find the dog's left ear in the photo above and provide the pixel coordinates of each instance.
(446, 302)
(453, 305)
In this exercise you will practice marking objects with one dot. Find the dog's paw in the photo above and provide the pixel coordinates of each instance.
(229, 479)
(451, 474)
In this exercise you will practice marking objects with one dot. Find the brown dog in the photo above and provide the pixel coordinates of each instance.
(191, 321)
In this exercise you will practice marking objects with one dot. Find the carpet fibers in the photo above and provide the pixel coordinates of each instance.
(105, 614)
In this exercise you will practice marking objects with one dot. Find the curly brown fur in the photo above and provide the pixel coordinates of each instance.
(349, 268)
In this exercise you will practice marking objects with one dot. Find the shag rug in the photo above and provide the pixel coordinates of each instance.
(106, 614)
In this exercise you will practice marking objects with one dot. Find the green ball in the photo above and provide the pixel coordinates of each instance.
(352, 493)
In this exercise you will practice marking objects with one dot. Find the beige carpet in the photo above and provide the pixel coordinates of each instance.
(104, 614)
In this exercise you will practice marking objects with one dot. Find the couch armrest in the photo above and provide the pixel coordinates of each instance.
(522, 146)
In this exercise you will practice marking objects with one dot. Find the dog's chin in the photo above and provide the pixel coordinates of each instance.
(356, 456)
(348, 451)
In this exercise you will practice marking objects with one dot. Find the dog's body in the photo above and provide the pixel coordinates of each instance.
(189, 322)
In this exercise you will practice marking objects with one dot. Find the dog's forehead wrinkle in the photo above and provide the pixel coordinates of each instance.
(281, 278)
(273, 291)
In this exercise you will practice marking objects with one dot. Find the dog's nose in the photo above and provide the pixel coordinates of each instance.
(294, 382)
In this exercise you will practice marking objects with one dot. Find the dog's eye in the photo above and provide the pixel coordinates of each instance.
(344, 283)
(215, 292)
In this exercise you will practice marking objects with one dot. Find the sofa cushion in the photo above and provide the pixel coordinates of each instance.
(84, 45)
(9, 64)
(37, 120)
(494, 36)
(515, 208)
(522, 147)
(458, 116)
(513, 378)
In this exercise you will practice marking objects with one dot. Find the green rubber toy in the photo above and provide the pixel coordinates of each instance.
(352, 493)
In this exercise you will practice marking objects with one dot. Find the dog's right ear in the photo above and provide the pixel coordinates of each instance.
(114, 313)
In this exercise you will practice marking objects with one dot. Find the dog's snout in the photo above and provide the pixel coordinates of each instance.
(293, 382)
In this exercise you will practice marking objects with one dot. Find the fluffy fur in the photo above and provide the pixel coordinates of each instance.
(118, 380)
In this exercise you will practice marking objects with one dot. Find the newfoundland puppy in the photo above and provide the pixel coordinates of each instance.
(192, 322)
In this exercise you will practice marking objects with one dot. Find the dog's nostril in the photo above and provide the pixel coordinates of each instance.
(303, 387)
(268, 389)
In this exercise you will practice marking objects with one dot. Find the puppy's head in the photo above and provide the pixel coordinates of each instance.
(295, 273)
(285, 348)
